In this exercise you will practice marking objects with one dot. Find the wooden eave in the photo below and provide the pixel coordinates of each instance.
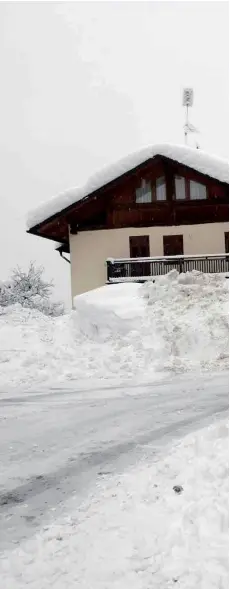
(66, 213)
(56, 227)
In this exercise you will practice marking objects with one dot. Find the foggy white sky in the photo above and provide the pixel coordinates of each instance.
(82, 84)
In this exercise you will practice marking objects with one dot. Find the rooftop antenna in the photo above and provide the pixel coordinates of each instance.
(188, 102)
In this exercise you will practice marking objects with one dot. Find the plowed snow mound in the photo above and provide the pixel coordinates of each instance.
(179, 323)
(161, 539)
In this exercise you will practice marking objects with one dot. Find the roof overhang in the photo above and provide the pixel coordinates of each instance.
(61, 219)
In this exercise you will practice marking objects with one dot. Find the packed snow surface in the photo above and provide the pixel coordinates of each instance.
(135, 532)
(90, 470)
(193, 158)
(121, 331)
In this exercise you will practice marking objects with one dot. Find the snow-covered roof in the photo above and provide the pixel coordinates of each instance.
(193, 158)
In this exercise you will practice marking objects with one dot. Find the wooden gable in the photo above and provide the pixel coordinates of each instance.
(114, 205)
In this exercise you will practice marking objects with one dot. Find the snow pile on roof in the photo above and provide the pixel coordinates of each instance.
(161, 539)
(118, 332)
(194, 158)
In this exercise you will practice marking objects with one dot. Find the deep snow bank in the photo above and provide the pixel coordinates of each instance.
(179, 323)
(160, 539)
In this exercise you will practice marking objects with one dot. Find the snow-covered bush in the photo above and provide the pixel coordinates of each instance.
(30, 290)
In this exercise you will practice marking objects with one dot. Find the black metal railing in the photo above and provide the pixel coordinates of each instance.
(141, 269)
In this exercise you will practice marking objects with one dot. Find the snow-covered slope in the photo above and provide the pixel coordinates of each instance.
(161, 539)
(179, 324)
(194, 158)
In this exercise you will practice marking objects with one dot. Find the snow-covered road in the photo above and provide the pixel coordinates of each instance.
(56, 444)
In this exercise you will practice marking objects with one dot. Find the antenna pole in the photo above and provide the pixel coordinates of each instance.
(186, 125)
(187, 101)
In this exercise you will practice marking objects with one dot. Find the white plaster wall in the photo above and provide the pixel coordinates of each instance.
(90, 249)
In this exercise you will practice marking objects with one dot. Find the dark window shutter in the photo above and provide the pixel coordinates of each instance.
(173, 245)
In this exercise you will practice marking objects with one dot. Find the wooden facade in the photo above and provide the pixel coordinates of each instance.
(114, 205)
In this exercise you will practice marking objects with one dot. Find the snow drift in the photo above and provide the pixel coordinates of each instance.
(161, 539)
(179, 323)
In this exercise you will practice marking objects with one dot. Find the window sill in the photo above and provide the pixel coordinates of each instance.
(189, 200)
(153, 202)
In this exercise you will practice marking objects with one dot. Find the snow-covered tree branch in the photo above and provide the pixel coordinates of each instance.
(30, 290)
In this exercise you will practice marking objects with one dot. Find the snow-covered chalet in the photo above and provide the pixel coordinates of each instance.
(165, 200)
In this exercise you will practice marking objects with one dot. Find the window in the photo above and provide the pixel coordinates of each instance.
(197, 191)
(189, 189)
(139, 246)
(144, 193)
(226, 238)
(180, 192)
(160, 188)
(173, 245)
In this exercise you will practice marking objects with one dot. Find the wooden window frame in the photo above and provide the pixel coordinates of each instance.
(226, 241)
(155, 188)
(201, 184)
(147, 182)
(185, 185)
(144, 238)
(165, 237)
(187, 190)
(152, 183)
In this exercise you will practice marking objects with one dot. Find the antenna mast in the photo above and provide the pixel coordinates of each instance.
(188, 102)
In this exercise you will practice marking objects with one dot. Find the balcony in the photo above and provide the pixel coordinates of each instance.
(143, 269)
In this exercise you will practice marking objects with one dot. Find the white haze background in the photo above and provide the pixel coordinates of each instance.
(83, 84)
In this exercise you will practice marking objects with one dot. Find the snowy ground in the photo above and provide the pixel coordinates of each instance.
(94, 409)
(87, 492)
(130, 331)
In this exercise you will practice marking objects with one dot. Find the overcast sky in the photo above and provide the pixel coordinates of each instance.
(82, 84)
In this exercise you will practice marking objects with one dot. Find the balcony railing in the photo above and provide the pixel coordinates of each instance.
(143, 269)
